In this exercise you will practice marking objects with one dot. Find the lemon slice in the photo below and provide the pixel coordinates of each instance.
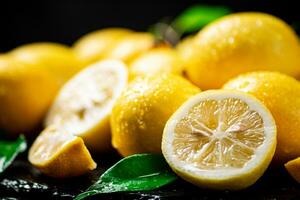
(84, 104)
(220, 140)
(59, 154)
(293, 167)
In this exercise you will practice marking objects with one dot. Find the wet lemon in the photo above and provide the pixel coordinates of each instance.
(94, 46)
(59, 154)
(156, 61)
(83, 105)
(26, 93)
(57, 59)
(185, 48)
(130, 46)
(220, 140)
(293, 168)
(281, 94)
(239, 43)
(140, 114)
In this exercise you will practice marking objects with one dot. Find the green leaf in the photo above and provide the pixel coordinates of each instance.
(139, 172)
(9, 150)
(197, 16)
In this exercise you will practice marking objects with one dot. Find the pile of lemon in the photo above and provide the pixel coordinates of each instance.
(119, 89)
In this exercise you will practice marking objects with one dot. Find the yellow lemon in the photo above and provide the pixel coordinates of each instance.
(220, 140)
(140, 114)
(185, 48)
(26, 93)
(94, 46)
(293, 168)
(156, 61)
(239, 43)
(131, 46)
(59, 154)
(83, 105)
(57, 59)
(281, 94)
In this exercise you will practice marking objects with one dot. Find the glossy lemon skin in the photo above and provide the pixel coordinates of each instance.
(69, 156)
(240, 43)
(57, 59)
(25, 95)
(281, 94)
(293, 168)
(131, 46)
(140, 114)
(30, 77)
(94, 46)
(185, 48)
(156, 61)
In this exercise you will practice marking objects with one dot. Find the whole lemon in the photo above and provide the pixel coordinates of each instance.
(184, 48)
(281, 94)
(30, 77)
(95, 45)
(139, 115)
(57, 59)
(26, 93)
(131, 46)
(156, 61)
(239, 43)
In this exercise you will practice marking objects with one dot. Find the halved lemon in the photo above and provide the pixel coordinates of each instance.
(220, 140)
(84, 104)
(59, 154)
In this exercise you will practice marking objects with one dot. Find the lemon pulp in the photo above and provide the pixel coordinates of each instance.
(220, 139)
(84, 104)
(223, 134)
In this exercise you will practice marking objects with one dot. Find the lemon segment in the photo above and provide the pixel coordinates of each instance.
(220, 140)
(84, 104)
(59, 154)
(293, 168)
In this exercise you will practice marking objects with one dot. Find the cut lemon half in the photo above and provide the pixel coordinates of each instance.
(59, 154)
(84, 104)
(220, 140)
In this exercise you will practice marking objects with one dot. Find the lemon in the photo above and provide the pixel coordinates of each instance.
(59, 154)
(220, 139)
(140, 113)
(293, 168)
(94, 46)
(239, 43)
(57, 59)
(281, 94)
(83, 106)
(2, 55)
(26, 93)
(184, 48)
(156, 61)
(131, 46)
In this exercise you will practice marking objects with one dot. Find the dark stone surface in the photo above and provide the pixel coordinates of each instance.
(22, 181)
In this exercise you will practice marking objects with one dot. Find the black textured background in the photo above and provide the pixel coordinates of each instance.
(24, 21)
(22, 182)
